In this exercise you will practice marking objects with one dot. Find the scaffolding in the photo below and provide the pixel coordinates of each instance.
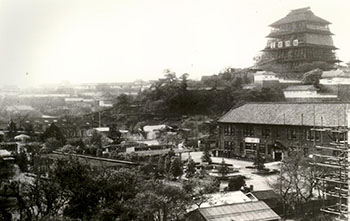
(332, 163)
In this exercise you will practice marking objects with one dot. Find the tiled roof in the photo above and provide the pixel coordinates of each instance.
(336, 73)
(301, 88)
(304, 14)
(265, 194)
(249, 211)
(326, 114)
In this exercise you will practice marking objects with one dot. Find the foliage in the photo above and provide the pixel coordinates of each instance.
(22, 161)
(53, 131)
(259, 162)
(312, 77)
(223, 168)
(206, 157)
(52, 144)
(190, 168)
(296, 182)
(96, 139)
(235, 183)
(198, 189)
(176, 167)
(12, 129)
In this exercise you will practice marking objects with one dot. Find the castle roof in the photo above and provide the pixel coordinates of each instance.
(302, 14)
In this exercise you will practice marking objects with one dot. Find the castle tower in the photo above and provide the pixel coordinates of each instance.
(299, 40)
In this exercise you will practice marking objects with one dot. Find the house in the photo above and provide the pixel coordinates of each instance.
(273, 128)
(337, 82)
(306, 93)
(266, 79)
(247, 211)
(335, 77)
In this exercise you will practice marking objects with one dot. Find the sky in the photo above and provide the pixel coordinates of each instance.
(83, 41)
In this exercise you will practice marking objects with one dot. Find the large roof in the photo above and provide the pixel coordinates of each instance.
(249, 211)
(326, 114)
(302, 14)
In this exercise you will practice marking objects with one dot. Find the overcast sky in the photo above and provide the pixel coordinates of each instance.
(46, 41)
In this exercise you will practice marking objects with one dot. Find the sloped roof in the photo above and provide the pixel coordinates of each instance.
(257, 210)
(302, 14)
(335, 73)
(326, 114)
(301, 88)
(265, 194)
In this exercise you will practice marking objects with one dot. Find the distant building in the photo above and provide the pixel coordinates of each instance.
(268, 79)
(273, 128)
(337, 82)
(299, 38)
(306, 93)
(248, 211)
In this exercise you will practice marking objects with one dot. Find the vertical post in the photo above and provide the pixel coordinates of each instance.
(347, 115)
(314, 125)
(99, 118)
(321, 131)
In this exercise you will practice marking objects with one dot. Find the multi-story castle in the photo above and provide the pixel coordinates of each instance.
(297, 40)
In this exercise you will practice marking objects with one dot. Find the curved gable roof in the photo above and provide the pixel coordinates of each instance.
(303, 14)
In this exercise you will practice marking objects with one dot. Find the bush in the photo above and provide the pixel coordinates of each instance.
(235, 183)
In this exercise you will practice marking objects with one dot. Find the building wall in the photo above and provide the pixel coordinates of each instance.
(244, 140)
(299, 94)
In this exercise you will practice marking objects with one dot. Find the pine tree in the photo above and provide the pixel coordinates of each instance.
(206, 157)
(259, 162)
(191, 168)
(167, 163)
(223, 169)
(176, 168)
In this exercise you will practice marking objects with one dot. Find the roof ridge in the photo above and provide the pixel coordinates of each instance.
(230, 204)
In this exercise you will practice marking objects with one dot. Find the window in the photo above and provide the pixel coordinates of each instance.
(226, 129)
(291, 134)
(248, 132)
(232, 130)
(266, 132)
(250, 147)
(310, 134)
(262, 148)
(278, 133)
(337, 137)
(229, 145)
(229, 130)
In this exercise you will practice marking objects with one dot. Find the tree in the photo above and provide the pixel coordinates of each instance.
(12, 129)
(235, 183)
(206, 157)
(259, 162)
(223, 168)
(190, 168)
(158, 201)
(52, 144)
(22, 161)
(53, 131)
(167, 163)
(199, 189)
(176, 167)
(312, 77)
(96, 139)
(160, 167)
(296, 182)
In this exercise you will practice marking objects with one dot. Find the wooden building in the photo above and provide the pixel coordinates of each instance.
(298, 39)
(273, 128)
